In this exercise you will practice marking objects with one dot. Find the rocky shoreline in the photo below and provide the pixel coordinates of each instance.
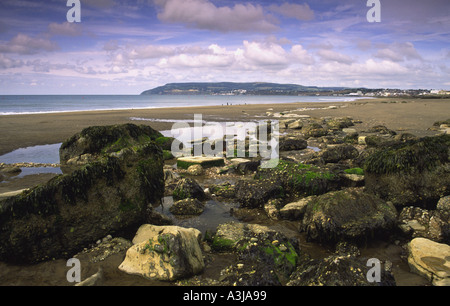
(336, 185)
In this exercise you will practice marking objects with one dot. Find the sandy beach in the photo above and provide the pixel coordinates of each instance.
(414, 116)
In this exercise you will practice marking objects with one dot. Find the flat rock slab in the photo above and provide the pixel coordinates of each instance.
(205, 162)
(430, 259)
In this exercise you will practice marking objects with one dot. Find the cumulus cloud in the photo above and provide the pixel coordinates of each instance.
(398, 52)
(330, 55)
(203, 14)
(293, 10)
(24, 44)
(265, 53)
(6, 62)
(65, 28)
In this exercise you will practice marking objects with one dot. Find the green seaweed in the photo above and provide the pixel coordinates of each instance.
(413, 155)
(358, 171)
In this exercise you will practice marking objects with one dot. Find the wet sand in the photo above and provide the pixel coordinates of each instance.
(408, 115)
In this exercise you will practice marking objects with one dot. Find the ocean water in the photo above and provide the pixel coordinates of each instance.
(32, 104)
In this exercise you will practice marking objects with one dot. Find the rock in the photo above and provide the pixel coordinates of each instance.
(294, 210)
(94, 280)
(299, 180)
(292, 144)
(272, 209)
(362, 140)
(413, 173)
(418, 222)
(376, 140)
(350, 132)
(225, 190)
(164, 253)
(259, 244)
(339, 123)
(94, 141)
(296, 125)
(204, 161)
(352, 180)
(381, 129)
(244, 166)
(187, 207)
(195, 170)
(59, 218)
(337, 270)
(337, 153)
(314, 130)
(347, 215)
(170, 176)
(444, 204)
(188, 188)
(430, 259)
(255, 193)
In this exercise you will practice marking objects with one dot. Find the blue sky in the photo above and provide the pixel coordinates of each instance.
(126, 47)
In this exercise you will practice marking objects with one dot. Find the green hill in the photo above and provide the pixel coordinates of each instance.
(223, 88)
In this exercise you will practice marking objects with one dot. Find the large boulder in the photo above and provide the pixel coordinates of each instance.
(411, 173)
(347, 215)
(96, 141)
(431, 260)
(298, 179)
(164, 253)
(71, 211)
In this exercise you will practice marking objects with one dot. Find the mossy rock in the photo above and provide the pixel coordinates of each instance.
(357, 171)
(101, 140)
(347, 215)
(410, 156)
(205, 162)
(297, 179)
(71, 211)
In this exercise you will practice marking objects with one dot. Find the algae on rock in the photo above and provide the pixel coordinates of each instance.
(107, 196)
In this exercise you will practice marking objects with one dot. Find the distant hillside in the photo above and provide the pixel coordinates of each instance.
(230, 88)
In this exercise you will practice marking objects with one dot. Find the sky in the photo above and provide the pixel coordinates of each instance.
(126, 47)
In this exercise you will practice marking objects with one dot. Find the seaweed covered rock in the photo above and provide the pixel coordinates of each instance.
(188, 188)
(96, 141)
(297, 179)
(314, 130)
(292, 143)
(411, 173)
(259, 245)
(110, 195)
(187, 207)
(347, 215)
(334, 154)
(254, 193)
(337, 270)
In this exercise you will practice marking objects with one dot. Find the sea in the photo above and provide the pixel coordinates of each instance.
(35, 104)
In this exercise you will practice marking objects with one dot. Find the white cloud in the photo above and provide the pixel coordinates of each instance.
(398, 52)
(24, 44)
(65, 28)
(6, 62)
(293, 10)
(203, 14)
(265, 54)
(330, 55)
